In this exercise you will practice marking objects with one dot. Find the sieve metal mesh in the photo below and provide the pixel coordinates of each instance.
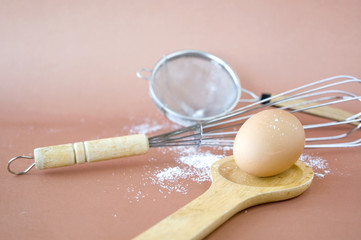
(192, 86)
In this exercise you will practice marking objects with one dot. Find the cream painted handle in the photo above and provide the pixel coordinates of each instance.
(90, 151)
(198, 218)
(328, 112)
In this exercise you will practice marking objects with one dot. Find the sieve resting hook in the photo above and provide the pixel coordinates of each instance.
(142, 76)
(23, 172)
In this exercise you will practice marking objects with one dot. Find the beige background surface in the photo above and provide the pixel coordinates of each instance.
(67, 74)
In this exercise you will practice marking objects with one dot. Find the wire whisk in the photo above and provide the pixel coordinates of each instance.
(315, 98)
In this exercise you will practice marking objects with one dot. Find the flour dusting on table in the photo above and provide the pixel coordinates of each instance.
(318, 164)
(191, 163)
(150, 126)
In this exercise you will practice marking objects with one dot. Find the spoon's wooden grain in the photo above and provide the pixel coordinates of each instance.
(231, 191)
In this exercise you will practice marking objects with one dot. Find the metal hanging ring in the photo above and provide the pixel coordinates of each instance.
(26, 170)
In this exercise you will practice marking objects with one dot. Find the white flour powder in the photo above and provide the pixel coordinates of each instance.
(150, 126)
(191, 164)
(318, 164)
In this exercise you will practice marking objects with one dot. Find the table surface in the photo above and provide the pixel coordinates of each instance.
(67, 74)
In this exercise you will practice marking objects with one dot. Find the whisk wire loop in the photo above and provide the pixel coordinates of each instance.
(315, 98)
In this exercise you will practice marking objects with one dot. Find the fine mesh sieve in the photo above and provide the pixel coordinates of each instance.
(192, 86)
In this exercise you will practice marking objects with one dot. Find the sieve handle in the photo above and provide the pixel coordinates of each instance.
(90, 151)
(140, 73)
(327, 112)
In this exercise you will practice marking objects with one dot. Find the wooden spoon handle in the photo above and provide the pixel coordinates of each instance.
(328, 112)
(90, 151)
(198, 218)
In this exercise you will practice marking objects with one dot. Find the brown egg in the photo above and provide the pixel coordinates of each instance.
(269, 143)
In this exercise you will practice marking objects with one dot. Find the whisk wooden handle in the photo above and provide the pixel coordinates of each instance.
(328, 112)
(90, 151)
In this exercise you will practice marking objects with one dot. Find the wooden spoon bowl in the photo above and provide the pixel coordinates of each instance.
(232, 190)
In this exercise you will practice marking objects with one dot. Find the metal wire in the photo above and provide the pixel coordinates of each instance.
(310, 98)
(22, 172)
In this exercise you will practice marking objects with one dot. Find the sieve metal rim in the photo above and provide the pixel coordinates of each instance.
(191, 53)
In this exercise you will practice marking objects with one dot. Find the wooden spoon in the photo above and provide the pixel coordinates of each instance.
(231, 191)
